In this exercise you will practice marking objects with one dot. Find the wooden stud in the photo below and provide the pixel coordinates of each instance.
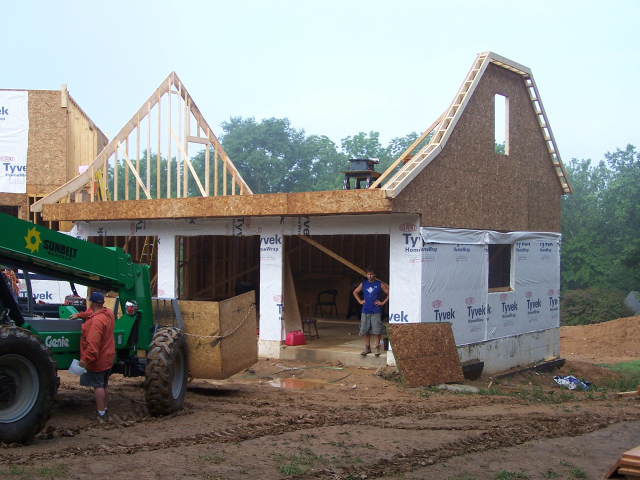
(206, 167)
(178, 155)
(115, 177)
(224, 177)
(185, 145)
(138, 157)
(148, 146)
(215, 170)
(126, 170)
(158, 156)
(169, 162)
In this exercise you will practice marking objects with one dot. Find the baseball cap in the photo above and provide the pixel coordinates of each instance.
(96, 297)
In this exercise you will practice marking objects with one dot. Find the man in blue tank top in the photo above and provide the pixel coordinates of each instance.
(371, 317)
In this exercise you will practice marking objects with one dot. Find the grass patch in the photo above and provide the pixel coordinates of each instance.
(550, 474)
(505, 475)
(632, 367)
(210, 458)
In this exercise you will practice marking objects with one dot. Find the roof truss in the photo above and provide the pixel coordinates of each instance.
(168, 122)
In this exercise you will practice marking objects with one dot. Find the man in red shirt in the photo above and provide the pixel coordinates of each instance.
(97, 350)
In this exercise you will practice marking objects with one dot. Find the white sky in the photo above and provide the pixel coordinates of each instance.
(332, 67)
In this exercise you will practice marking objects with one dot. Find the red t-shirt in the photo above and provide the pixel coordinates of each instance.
(97, 346)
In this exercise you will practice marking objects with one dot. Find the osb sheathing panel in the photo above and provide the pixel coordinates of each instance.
(310, 203)
(16, 200)
(205, 355)
(240, 349)
(46, 155)
(337, 201)
(468, 185)
(426, 353)
(220, 358)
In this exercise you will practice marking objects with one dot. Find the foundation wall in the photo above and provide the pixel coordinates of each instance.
(468, 185)
(505, 353)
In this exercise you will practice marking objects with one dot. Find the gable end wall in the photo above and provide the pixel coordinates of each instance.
(468, 185)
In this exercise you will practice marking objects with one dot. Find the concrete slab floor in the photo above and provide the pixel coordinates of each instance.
(339, 342)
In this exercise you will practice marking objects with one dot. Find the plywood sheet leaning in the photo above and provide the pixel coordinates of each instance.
(628, 466)
(238, 320)
(290, 310)
(221, 336)
(426, 353)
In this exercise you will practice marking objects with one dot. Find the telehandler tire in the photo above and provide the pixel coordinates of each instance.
(28, 384)
(167, 372)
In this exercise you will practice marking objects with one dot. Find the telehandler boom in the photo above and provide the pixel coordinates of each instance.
(33, 348)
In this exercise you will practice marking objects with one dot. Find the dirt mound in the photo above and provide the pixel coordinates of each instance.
(606, 342)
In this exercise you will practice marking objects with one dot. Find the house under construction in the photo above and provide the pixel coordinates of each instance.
(462, 233)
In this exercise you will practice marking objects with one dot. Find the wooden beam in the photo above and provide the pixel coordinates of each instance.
(337, 257)
(407, 152)
(202, 140)
(133, 170)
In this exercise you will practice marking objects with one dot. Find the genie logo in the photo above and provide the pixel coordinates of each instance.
(503, 297)
(56, 342)
(7, 158)
(436, 304)
(469, 301)
(528, 294)
(408, 227)
(277, 298)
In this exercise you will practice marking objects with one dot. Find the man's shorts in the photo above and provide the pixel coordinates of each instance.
(371, 324)
(95, 379)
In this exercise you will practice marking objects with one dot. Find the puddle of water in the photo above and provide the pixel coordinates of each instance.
(301, 383)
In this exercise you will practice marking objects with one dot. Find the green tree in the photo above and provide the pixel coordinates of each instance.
(601, 223)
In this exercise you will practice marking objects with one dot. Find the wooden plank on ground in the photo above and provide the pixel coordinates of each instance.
(426, 353)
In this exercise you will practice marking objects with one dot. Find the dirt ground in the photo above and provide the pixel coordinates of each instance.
(287, 419)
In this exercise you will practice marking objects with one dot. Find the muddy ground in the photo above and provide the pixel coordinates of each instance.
(347, 423)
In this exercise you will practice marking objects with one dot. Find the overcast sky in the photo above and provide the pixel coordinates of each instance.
(333, 68)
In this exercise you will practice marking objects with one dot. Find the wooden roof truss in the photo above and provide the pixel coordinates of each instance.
(172, 133)
(443, 127)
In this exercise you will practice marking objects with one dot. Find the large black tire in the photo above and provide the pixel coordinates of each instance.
(28, 384)
(167, 372)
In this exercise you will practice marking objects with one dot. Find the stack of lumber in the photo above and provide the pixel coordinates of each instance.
(628, 466)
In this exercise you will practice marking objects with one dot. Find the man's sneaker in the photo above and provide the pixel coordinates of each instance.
(366, 351)
(96, 416)
(377, 350)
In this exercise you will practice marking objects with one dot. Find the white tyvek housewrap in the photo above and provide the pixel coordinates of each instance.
(14, 141)
(455, 284)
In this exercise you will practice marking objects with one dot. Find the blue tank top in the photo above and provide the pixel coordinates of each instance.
(372, 292)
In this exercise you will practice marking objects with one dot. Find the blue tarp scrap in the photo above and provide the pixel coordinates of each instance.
(572, 382)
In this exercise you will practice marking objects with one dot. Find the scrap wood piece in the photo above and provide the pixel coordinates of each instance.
(628, 465)
(426, 353)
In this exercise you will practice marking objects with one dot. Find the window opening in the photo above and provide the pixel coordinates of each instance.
(501, 117)
(500, 268)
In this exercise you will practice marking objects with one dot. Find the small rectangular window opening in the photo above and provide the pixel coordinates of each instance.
(501, 142)
(499, 268)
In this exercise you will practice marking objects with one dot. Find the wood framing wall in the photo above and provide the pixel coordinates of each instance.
(61, 137)
(211, 267)
(314, 271)
(468, 185)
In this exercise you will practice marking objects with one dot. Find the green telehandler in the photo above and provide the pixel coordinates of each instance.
(149, 333)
